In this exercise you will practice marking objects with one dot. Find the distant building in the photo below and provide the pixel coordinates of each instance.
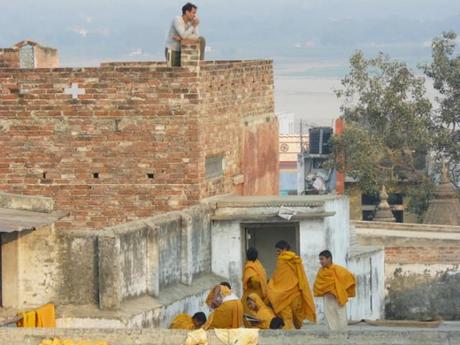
(29, 54)
(290, 148)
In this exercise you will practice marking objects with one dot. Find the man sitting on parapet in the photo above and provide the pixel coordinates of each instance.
(183, 27)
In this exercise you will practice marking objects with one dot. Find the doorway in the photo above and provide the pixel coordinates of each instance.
(264, 236)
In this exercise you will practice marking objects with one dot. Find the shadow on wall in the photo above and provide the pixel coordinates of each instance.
(423, 296)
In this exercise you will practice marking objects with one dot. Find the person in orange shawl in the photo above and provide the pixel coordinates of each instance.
(254, 279)
(228, 310)
(185, 321)
(259, 311)
(288, 290)
(214, 299)
(335, 284)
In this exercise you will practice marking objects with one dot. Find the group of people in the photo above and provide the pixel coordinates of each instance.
(283, 302)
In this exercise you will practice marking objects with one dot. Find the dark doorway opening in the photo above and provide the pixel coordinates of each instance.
(263, 237)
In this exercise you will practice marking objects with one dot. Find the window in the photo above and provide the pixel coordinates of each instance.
(214, 166)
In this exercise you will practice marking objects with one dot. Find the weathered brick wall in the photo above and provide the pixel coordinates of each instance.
(237, 122)
(46, 57)
(9, 58)
(423, 255)
(130, 125)
(135, 144)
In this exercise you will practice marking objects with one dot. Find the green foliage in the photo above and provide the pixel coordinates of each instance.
(445, 73)
(388, 121)
(419, 197)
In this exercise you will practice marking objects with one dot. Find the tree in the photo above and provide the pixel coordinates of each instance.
(444, 70)
(388, 123)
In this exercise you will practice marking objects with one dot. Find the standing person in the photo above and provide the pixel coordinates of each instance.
(335, 284)
(182, 28)
(254, 279)
(288, 290)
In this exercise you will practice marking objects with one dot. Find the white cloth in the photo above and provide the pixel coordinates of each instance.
(182, 29)
(336, 315)
(231, 297)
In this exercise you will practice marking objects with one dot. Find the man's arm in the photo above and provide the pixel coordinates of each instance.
(179, 25)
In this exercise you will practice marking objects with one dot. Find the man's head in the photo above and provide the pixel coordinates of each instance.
(252, 254)
(189, 11)
(281, 247)
(276, 323)
(325, 258)
(227, 284)
(199, 319)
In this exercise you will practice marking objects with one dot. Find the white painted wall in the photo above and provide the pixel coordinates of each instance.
(227, 252)
(370, 292)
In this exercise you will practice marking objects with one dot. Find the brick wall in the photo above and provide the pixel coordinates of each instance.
(9, 58)
(130, 123)
(136, 142)
(238, 122)
(423, 255)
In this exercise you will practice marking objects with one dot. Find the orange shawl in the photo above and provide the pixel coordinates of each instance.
(228, 315)
(253, 270)
(288, 282)
(182, 321)
(336, 280)
(264, 313)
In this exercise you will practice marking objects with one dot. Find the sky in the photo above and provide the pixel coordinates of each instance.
(309, 41)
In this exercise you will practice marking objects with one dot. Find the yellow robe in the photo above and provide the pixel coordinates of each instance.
(255, 278)
(228, 315)
(289, 289)
(336, 280)
(182, 321)
(43, 317)
(264, 313)
(254, 281)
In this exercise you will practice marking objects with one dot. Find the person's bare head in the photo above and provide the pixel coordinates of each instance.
(325, 258)
(281, 247)
(189, 11)
(199, 319)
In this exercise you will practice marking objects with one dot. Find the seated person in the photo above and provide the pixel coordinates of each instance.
(228, 310)
(214, 299)
(185, 321)
(258, 310)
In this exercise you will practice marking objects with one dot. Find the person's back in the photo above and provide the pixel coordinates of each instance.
(254, 279)
(288, 291)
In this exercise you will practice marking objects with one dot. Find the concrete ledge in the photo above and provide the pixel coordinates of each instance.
(144, 311)
(26, 202)
(359, 224)
(309, 335)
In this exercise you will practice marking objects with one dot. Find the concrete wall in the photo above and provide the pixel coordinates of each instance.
(135, 259)
(368, 268)
(227, 252)
(366, 336)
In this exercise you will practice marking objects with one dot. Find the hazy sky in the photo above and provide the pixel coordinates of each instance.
(308, 40)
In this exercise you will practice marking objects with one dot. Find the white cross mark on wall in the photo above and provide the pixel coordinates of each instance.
(74, 90)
